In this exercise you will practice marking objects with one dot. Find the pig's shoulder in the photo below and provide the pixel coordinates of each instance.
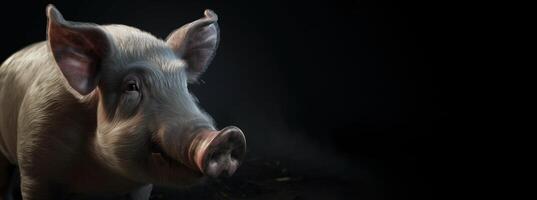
(31, 55)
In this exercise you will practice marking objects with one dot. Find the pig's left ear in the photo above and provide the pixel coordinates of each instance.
(196, 43)
(78, 49)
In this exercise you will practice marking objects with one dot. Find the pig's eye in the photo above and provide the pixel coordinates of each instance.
(131, 86)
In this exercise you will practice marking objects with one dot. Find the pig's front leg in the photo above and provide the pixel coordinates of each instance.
(35, 189)
(142, 193)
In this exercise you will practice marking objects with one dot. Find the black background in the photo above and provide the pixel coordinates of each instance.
(337, 94)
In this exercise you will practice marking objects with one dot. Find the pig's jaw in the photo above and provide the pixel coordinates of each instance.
(135, 160)
(151, 167)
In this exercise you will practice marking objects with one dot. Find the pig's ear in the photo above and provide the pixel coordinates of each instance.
(196, 43)
(78, 49)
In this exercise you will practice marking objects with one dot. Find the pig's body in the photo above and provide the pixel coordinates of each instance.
(105, 111)
(48, 130)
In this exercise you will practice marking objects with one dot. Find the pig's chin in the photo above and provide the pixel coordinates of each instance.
(170, 172)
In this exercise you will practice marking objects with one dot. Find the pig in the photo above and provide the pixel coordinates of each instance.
(105, 111)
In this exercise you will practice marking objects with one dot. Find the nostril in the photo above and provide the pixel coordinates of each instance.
(237, 147)
(232, 167)
(222, 165)
(236, 142)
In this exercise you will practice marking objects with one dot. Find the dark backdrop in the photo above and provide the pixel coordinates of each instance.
(334, 95)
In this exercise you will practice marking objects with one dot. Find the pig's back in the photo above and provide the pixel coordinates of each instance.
(20, 75)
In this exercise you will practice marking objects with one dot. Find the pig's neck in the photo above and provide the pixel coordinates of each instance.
(102, 144)
(90, 172)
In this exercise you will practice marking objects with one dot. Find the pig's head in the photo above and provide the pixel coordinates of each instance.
(149, 127)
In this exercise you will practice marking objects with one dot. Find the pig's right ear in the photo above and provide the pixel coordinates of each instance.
(196, 43)
(78, 49)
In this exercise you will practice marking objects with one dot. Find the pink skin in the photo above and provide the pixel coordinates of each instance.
(106, 110)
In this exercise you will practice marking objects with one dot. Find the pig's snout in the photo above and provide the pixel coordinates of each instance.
(217, 153)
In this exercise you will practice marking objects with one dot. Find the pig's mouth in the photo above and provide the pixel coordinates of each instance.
(157, 152)
(167, 170)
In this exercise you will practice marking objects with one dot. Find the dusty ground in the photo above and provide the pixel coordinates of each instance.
(270, 179)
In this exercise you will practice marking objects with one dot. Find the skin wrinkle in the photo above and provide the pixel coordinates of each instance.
(112, 147)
